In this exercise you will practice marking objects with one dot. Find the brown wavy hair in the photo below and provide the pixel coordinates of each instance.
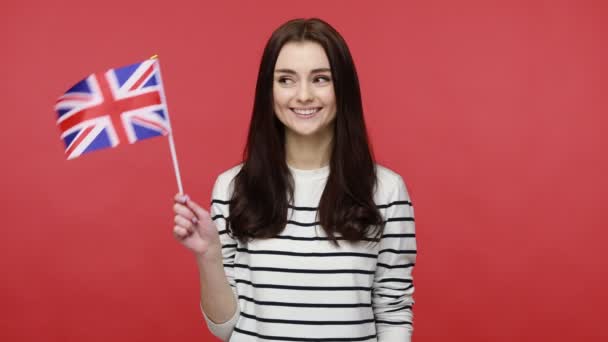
(263, 188)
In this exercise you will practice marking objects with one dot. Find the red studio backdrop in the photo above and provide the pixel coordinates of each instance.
(494, 112)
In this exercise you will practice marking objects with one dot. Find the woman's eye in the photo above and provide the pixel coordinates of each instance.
(323, 78)
(285, 80)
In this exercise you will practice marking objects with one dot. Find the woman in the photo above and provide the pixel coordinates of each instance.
(308, 239)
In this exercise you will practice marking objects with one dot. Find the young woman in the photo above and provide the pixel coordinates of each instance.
(308, 239)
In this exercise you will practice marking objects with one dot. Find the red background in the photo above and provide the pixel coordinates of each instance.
(494, 112)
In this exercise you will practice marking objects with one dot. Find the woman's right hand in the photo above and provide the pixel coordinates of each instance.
(195, 229)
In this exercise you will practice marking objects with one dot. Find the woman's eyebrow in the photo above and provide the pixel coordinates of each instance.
(314, 71)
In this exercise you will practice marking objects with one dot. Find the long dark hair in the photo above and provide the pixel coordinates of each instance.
(263, 188)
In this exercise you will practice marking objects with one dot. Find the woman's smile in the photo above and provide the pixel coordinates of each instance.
(306, 113)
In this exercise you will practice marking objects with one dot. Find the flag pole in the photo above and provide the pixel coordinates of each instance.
(171, 143)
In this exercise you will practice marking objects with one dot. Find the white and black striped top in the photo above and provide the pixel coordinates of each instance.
(299, 287)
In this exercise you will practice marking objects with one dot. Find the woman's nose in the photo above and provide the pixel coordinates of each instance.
(304, 94)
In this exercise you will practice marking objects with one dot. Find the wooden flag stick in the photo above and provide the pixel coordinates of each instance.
(171, 143)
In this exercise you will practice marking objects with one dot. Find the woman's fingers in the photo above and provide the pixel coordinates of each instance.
(180, 232)
(184, 211)
(181, 198)
(199, 212)
(184, 222)
(188, 208)
(187, 213)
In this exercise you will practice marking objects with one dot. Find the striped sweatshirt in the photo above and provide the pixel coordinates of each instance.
(297, 286)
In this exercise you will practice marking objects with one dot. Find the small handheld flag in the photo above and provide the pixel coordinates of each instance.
(114, 107)
(121, 105)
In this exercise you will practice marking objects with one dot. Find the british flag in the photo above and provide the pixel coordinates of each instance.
(125, 104)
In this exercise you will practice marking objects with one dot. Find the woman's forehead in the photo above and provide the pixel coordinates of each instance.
(302, 57)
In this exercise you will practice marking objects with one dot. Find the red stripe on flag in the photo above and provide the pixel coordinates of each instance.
(83, 134)
(73, 98)
(151, 123)
(143, 77)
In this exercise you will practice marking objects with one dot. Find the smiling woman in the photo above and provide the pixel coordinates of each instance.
(304, 100)
(303, 87)
(308, 239)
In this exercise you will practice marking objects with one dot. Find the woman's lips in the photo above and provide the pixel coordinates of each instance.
(306, 113)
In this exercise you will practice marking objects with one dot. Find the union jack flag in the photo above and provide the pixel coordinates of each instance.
(125, 104)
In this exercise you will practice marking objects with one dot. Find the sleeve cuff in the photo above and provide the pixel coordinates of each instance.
(222, 330)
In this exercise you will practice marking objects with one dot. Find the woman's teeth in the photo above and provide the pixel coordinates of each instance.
(305, 111)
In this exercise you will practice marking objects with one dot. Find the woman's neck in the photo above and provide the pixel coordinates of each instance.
(308, 152)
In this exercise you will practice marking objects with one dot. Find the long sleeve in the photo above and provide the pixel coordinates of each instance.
(219, 213)
(393, 288)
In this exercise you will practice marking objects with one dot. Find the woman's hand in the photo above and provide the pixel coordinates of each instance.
(195, 229)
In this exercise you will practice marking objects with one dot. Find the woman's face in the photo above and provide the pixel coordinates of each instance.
(303, 91)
